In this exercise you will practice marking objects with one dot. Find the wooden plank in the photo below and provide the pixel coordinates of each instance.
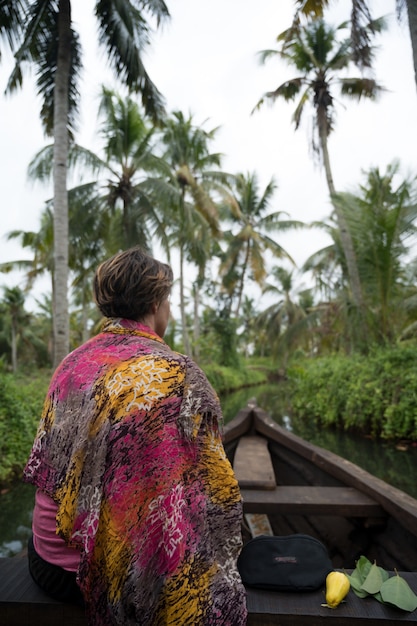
(252, 464)
(22, 603)
(311, 500)
(268, 608)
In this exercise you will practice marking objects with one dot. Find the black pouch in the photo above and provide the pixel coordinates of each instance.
(288, 563)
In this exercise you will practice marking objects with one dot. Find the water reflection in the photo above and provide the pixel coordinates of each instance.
(16, 505)
(396, 467)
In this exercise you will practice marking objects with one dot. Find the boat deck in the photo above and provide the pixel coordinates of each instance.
(22, 603)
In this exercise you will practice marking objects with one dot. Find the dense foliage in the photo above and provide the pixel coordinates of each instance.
(226, 379)
(375, 394)
(21, 400)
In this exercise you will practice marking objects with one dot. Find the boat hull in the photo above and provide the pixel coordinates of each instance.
(321, 494)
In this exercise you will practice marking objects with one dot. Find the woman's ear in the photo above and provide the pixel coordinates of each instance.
(154, 308)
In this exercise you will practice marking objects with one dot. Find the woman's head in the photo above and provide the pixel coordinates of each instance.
(131, 284)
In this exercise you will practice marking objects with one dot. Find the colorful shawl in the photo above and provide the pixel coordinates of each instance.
(129, 448)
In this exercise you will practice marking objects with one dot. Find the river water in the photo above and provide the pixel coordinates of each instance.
(396, 466)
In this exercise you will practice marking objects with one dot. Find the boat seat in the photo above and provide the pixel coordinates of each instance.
(22, 603)
(255, 473)
(252, 464)
(310, 500)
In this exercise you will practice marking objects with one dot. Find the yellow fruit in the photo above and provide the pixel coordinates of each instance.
(337, 588)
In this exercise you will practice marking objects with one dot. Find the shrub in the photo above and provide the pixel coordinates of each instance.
(374, 394)
(21, 401)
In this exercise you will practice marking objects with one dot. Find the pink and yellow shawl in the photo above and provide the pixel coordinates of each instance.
(129, 448)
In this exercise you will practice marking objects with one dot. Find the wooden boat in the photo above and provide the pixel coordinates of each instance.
(303, 488)
(298, 488)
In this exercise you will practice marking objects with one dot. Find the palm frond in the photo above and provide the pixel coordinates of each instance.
(125, 33)
(288, 90)
(360, 88)
(12, 21)
(40, 47)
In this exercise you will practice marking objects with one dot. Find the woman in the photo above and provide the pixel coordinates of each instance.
(135, 493)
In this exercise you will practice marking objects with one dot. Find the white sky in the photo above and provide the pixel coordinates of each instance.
(204, 61)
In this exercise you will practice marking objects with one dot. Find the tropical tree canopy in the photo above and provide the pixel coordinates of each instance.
(252, 224)
(319, 57)
(48, 43)
(360, 19)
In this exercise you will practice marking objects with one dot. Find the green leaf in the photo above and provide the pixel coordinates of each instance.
(356, 581)
(373, 582)
(363, 566)
(397, 592)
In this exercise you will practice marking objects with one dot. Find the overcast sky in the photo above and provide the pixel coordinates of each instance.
(205, 63)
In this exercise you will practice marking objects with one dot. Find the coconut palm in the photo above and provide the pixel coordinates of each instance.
(192, 218)
(130, 159)
(50, 44)
(88, 245)
(124, 191)
(382, 219)
(360, 20)
(40, 244)
(13, 305)
(11, 22)
(250, 236)
(383, 222)
(287, 322)
(319, 57)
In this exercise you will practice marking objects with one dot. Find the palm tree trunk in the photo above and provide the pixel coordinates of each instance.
(60, 156)
(185, 337)
(14, 346)
(345, 237)
(412, 24)
(242, 280)
(196, 334)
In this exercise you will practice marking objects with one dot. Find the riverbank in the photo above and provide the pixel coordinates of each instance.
(372, 396)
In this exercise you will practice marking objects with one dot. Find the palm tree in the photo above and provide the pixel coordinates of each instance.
(194, 216)
(249, 237)
(382, 220)
(130, 154)
(11, 21)
(50, 44)
(316, 53)
(360, 20)
(128, 196)
(89, 235)
(13, 306)
(40, 244)
(286, 322)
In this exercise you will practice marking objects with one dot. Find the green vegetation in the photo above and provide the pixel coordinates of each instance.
(374, 395)
(370, 580)
(21, 400)
(228, 378)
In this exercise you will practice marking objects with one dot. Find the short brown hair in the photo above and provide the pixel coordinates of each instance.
(129, 283)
